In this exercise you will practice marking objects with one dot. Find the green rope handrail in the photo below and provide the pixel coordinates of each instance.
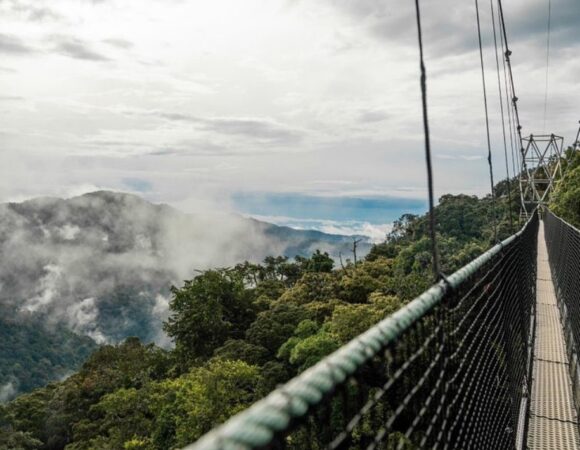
(256, 426)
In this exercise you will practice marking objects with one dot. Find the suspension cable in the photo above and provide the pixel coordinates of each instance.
(509, 108)
(432, 223)
(511, 78)
(507, 170)
(514, 98)
(494, 217)
(516, 165)
(547, 61)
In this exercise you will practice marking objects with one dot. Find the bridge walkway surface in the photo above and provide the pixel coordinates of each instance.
(553, 423)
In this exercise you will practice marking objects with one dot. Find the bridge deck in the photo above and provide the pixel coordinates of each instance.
(553, 423)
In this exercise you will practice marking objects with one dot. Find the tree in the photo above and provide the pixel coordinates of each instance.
(240, 332)
(207, 311)
(205, 397)
(348, 320)
(309, 351)
(239, 349)
(120, 419)
(565, 199)
(318, 262)
(312, 287)
(274, 326)
(18, 440)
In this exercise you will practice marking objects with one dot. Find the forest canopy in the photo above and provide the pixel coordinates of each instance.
(240, 331)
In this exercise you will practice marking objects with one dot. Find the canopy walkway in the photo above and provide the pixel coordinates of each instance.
(485, 359)
(553, 420)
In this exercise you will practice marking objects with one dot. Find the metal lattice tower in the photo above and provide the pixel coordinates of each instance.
(541, 166)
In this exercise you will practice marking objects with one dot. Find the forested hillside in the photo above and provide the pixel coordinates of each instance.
(98, 268)
(565, 200)
(238, 332)
(34, 353)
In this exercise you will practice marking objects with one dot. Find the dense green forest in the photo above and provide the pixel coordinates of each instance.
(34, 353)
(240, 331)
(565, 200)
(101, 265)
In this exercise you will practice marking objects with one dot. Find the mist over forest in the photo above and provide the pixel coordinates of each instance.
(98, 268)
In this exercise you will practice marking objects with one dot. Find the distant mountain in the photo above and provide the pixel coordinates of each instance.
(101, 265)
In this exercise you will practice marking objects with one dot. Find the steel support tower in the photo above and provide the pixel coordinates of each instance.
(541, 167)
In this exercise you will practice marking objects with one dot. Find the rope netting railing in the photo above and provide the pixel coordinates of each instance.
(563, 242)
(449, 370)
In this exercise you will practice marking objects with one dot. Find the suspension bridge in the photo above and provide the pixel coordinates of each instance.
(487, 358)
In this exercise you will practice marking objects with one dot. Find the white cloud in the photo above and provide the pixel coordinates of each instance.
(82, 318)
(47, 289)
(374, 232)
(7, 391)
(69, 232)
(283, 93)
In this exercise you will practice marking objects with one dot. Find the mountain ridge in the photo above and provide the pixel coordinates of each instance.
(101, 265)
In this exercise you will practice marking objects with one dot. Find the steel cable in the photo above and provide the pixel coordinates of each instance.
(547, 62)
(399, 385)
(432, 220)
(507, 171)
(489, 161)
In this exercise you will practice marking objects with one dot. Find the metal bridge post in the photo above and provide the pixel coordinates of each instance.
(541, 167)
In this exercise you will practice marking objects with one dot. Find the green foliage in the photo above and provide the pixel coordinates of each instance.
(312, 349)
(120, 419)
(207, 311)
(203, 398)
(304, 330)
(565, 200)
(274, 326)
(465, 229)
(319, 262)
(243, 350)
(32, 354)
(239, 332)
(312, 286)
(65, 412)
(138, 444)
(17, 440)
(348, 320)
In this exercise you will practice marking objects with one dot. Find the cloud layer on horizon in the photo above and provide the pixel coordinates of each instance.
(210, 99)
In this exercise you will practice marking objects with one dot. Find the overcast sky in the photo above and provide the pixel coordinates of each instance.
(185, 101)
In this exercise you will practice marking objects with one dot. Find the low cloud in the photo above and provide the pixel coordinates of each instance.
(384, 21)
(40, 14)
(48, 288)
(29, 11)
(257, 128)
(8, 391)
(459, 157)
(83, 317)
(7, 70)
(77, 49)
(138, 184)
(119, 43)
(373, 232)
(10, 98)
(529, 20)
(102, 264)
(35, 14)
(447, 33)
(13, 45)
(372, 116)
